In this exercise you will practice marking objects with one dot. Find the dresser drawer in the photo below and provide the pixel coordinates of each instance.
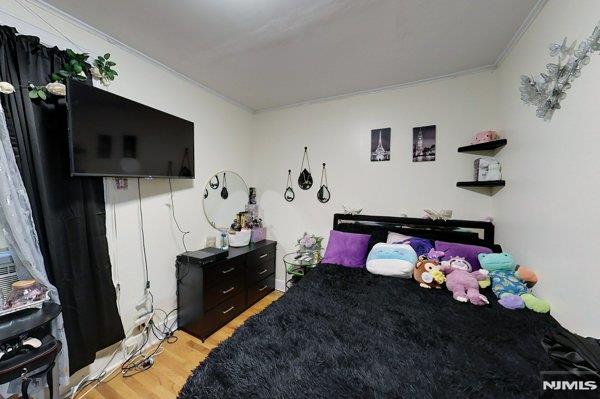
(257, 291)
(213, 275)
(259, 271)
(227, 288)
(221, 314)
(261, 255)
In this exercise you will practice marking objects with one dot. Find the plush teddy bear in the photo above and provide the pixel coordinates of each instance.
(427, 273)
(463, 283)
(509, 282)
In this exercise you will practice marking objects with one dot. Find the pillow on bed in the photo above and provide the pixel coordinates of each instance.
(346, 249)
(469, 252)
(393, 237)
(394, 260)
(377, 234)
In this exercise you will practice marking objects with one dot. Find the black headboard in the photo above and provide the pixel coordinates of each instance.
(463, 231)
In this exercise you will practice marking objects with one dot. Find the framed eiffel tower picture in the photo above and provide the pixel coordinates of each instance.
(380, 144)
(424, 143)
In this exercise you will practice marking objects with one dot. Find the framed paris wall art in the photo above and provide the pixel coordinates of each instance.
(380, 144)
(424, 144)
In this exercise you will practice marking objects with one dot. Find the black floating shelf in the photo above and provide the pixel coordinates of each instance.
(491, 183)
(492, 145)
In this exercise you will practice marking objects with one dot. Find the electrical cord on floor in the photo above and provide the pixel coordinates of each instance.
(139, 362)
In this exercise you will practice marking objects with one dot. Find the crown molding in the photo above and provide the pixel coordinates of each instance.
(383, 88)
(539, 5)
(522, 29)
(98, 33)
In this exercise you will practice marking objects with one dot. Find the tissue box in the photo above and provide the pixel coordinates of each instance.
(487, 169)
(259, 234)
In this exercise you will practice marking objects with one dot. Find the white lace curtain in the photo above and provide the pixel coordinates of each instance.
(19, 230)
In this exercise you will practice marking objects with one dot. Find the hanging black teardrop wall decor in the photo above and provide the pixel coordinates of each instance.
(224, 191)
(323, 195)
(289, 191)
(305, 180)
(214, 182)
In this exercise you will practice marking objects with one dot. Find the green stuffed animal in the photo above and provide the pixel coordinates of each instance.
(509, 285)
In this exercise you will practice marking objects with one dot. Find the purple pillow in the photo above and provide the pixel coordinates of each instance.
(347, 249)
(469, 252)
(421, 246)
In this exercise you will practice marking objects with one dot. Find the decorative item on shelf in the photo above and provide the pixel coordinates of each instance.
(323, 195)
(310, 245)
(351, 211)
(23, 293)
(485, 137)
(487, 169)
(224, 191)
(211, 242)
(224, 240)
(443, 214)
(253, 220)
(289, 191)
(305, 180)
(546, 90)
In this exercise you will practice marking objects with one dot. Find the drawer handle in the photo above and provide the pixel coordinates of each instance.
(263, 288)
(228, 310)
(263, 272)
(264, 256)
(228, 270)
(228, 290)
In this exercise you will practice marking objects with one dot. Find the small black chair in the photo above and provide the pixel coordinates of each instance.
(27, 364)
(31, 364)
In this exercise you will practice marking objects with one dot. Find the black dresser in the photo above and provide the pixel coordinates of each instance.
(209, 296)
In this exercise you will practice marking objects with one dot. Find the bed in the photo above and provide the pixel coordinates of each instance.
(344, 332)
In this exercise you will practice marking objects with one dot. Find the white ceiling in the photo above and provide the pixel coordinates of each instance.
(272, 53)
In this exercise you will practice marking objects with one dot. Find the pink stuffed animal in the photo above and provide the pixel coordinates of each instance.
(463, 283)
(485, 137)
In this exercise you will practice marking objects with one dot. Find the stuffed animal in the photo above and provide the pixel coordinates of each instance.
(510, 284)
(428, 273)
(463, 283)
(485, 137)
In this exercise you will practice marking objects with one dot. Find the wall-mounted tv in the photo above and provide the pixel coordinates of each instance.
(112, 136)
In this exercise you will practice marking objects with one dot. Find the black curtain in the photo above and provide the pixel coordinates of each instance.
(69, 213)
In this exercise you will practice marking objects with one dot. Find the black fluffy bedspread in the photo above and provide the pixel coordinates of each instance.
(345, 333)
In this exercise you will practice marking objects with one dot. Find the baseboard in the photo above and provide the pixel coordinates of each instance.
(280, 285)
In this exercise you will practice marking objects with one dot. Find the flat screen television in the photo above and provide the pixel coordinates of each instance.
(112, 136)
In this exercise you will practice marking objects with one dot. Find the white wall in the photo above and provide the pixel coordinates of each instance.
(548, 213)
(222, 142)
(339, 133)
(549, 201)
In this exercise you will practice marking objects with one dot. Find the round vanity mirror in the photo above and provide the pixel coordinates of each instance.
(225, 195)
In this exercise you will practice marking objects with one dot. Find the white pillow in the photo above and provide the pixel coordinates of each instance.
(394, 260)
(394, 238)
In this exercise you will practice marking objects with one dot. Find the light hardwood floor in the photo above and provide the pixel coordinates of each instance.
(173, 366)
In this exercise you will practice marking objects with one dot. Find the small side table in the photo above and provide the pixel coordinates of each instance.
(296, 268)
